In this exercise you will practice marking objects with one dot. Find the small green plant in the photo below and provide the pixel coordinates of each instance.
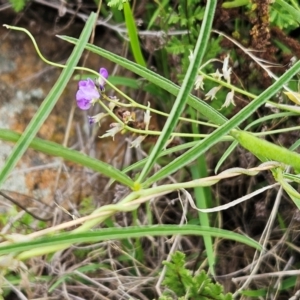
(187, 16)
(187, 285)
(117, 3)
(17, 5)
(284, 14)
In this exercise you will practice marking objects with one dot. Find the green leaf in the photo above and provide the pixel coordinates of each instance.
(203, 199)
(181, 281)
(202, 202)
(133, 35)
(52, 243)
(54, 149)
(184, 91)
(235, 3)
(235, 121)
(177, 278)
(116, 3)
(284, 15)
(17, 5)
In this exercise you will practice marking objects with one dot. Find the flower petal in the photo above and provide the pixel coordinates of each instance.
(147, 117)
(86, 84)
(115, 128)
(137, 142)
(97, 118)
(212, 92)
(83, 102)
(104, 73)
(87, 94)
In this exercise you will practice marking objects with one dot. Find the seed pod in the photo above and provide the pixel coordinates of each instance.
(265, 150)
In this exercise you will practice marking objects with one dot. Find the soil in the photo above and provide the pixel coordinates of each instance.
(25, 81)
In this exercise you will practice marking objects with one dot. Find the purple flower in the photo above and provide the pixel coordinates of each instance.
(87, 94)
(104, 73)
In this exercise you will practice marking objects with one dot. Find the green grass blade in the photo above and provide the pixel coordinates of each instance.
(201, 106)
(225, 155)
(55, 149)
(285, 284)
(157, 12)
(203, 198)
(185, 90)
(202, 202)
(49, 102)
(235, 121)
(290, 9)
(93, 236)
(133, 35)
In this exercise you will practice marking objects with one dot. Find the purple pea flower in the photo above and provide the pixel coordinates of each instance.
(104, 73)
(87, 94)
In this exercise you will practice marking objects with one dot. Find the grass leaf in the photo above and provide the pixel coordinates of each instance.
(133, 35)
(49, 102)
(55, 149)
(104, 234)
